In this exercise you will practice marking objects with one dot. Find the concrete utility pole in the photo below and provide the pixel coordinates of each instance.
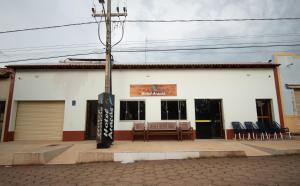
(105, 119)
(107, 16)
(108, 49)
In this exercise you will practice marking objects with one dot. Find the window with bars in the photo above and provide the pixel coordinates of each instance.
(173, 110)
(132, 110)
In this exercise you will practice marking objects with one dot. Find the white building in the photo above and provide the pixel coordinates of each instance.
(58, 101)
(289, 81)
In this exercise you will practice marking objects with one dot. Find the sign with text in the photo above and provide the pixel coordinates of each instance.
(105, 120)
(153, 90)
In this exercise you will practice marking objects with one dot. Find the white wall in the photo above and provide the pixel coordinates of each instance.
(238, 88)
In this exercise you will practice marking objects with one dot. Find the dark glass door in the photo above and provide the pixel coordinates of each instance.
(264, 112)
(91, 120)
(2, 109)
(208, 114)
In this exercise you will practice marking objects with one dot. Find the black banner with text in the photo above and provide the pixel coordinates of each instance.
(105, 120)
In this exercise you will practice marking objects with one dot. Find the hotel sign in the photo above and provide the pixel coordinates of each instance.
(153, 90)
(105, 120)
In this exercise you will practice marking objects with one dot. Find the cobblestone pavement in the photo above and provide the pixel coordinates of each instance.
(275, 170)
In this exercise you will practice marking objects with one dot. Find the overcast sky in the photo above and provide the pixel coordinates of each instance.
(15, 14)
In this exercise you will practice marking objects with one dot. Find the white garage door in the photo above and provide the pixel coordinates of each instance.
(297, 99)
(39, 120)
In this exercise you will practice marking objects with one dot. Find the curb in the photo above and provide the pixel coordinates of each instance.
(39, 156)
(96, 156)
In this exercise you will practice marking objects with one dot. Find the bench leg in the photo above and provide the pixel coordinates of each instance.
(262, 136)
(268, 137)
(249, 136)
(290, 135)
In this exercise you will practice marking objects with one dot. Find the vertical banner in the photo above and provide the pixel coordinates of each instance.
(105, 120)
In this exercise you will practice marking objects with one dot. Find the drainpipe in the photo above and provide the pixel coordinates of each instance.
(9, 136)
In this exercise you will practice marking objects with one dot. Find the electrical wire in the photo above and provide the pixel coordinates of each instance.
(49, 57)
(53, 47)
(216, 38)
(123, 25)
(206, 48)
(210, 20)
(98, 31)
(154, 50)
(155, 21)
(77, 45)
(57, 52)
(47, 27)
(63, 49)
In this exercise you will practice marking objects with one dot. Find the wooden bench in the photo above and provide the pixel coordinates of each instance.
(162, 128)
(185, 128)
(139, 129)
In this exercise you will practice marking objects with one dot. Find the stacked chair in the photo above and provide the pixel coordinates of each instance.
(262, 129)
(238, 129)
(251, 128)
(275, 128)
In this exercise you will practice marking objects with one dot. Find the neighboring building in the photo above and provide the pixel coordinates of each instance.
(289, 79)
(6, 77)
(59, 101)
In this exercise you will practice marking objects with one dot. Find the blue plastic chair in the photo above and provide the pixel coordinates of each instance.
(238, 128)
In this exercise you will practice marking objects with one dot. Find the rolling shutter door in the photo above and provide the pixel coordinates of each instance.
(39, 120)
(297, 100)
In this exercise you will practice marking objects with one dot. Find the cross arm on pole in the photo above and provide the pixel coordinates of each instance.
(112, 14)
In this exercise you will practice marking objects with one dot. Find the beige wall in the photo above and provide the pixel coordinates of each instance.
(291, 123)
(4, 88)
(4, 91)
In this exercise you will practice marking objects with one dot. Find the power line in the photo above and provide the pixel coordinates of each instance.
(151, 42)
(155, 21)
(40, 53)
(47, 27)
(49, 57)
(206, 48)
(154, 50)
(212, 20)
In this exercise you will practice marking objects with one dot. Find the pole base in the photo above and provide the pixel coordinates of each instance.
(103, 145)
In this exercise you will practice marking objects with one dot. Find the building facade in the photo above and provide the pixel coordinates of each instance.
(289, 71)
(59, 101)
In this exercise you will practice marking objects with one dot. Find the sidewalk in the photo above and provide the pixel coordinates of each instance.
(58, 152)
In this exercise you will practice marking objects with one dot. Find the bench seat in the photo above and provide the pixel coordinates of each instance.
(162, 128)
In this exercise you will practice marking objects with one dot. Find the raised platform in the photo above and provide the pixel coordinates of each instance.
(16, 153)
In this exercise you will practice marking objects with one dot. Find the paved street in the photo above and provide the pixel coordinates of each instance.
(275, 170)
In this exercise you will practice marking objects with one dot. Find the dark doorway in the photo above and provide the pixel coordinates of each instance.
(209, 122)
(91, 119)
(2, 110)
(264, 112)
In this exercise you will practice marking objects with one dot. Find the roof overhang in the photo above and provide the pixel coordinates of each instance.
(292, 86)
(5, 72)
(142, 66)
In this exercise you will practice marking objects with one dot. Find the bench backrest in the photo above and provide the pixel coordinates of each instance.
(162, 126)
(185, 125)
(139, 126)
